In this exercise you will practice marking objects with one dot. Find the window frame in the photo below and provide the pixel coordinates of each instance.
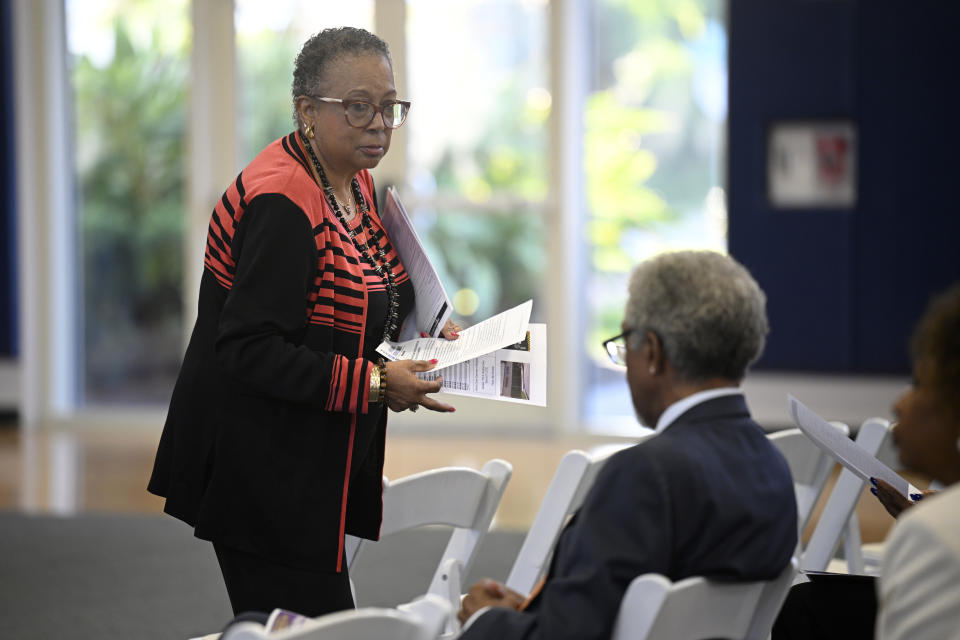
(51, 329)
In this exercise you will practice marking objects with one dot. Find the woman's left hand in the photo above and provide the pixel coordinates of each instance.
(893, 501)
(451, 331)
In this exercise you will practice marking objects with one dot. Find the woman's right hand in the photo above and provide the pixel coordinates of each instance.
(406, 391)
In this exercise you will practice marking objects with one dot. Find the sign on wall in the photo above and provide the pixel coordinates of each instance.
(812, 164)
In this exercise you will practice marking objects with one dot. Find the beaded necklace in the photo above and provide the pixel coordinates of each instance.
(370, 250)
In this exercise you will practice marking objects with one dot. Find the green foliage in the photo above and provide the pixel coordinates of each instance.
(500, 256)
(265, 60)
(642, 161)
(507, 158)
(645, 163)
(130, 117)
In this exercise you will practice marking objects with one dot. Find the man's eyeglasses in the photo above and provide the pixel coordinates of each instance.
(360, 114)
(616, 348)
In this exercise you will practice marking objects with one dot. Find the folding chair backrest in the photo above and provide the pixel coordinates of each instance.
(459, 497)
(421, 620)
(810, 467)
(571, 482)
(838, 518)
(654, 608)
(771, 600)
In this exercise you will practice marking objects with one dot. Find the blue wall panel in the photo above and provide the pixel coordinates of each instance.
(846, 286)
(909, 223)
(8, 217)
(791, 64)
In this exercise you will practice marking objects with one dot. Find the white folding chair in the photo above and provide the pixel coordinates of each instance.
(459, 497)
(571, 482)
(810, 467)
(654, 608)
(839, 519)
(420, 620)
(771, 599)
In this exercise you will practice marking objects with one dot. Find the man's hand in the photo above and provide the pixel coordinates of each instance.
(488, 593)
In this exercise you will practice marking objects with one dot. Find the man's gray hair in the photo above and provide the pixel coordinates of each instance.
(323, 48)
(706, 308)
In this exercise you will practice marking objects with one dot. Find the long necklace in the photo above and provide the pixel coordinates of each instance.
(371, 250)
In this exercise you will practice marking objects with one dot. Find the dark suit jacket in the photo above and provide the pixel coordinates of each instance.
(708, 496)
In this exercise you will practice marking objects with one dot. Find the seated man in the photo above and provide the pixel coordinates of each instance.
(707, 495)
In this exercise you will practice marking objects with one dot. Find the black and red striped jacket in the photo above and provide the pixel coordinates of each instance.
(270, 444)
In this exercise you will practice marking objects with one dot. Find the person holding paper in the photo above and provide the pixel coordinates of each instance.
(707, 495)
(918, 594)
(919, 590)
(274, 442)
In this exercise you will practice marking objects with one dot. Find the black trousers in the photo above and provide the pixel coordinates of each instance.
(255, 583)
(841, 608)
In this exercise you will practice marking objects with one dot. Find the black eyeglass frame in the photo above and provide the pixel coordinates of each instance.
(615, 351)
(377, 110)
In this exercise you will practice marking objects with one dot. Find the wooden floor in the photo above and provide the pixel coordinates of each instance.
(60, 471)
(106, 469)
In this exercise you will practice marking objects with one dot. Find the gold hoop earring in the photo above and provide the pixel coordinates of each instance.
(308, 131)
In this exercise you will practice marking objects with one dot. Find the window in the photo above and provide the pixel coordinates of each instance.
(653, 145)
(128, 69)
(477, 137)
(269, 36)
(474, 163)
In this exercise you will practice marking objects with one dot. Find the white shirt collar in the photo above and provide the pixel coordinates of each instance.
(681, 406)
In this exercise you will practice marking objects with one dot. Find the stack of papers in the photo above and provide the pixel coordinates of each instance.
(433, 307)
(502, 358)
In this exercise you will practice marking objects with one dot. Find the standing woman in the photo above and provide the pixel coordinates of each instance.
(274, 442)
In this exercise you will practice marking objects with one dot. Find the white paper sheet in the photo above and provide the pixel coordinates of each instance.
(432, 307)
(843, 449)
(281, 619)
(515, 374)
(494, 333)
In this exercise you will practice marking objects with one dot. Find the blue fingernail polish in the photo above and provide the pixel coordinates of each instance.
(873, 481)
(873, 491)
(916, 496)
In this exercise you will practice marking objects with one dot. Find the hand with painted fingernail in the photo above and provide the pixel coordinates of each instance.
(405, 391)
(451, 330)
(891, 499)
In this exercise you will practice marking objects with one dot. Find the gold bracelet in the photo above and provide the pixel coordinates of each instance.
(383, 380)
(376, 391)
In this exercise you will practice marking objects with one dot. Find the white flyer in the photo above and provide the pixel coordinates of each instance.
(843, 449)
(493, 333)
(432, 307)
(517, 373)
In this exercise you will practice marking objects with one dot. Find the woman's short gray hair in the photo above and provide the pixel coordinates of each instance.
(706, 308)
(324, 47)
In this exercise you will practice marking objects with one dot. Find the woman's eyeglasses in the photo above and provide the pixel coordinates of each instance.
(616, 348)
(360, 114)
